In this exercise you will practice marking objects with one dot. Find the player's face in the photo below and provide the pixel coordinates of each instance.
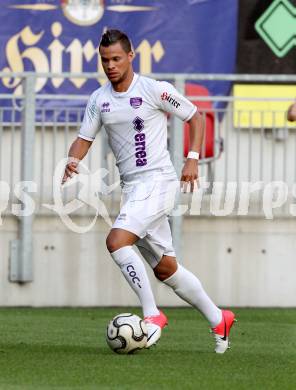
(116, 62)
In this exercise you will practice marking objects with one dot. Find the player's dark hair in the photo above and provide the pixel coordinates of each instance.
(110, 37)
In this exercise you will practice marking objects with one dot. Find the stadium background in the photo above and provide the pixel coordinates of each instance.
(250, 258)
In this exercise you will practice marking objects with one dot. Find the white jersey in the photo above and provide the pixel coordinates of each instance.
(136, 124)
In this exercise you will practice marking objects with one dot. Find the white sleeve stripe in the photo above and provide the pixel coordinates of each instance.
(85, 137)
(191, 114)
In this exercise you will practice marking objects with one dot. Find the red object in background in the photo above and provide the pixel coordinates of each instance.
(208, 150)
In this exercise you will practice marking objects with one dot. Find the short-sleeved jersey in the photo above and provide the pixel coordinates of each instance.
(136, 123)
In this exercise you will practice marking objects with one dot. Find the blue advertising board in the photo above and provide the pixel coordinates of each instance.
(169, 36)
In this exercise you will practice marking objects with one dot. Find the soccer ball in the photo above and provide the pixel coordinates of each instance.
(126, 333)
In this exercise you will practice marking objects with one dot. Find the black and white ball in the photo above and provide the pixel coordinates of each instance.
(126, 333)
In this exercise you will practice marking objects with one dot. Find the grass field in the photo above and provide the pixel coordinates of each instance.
(66, 349)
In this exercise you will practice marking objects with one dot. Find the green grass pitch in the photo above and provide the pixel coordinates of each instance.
(66, 349)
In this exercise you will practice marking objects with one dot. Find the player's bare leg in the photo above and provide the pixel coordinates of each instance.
(119, 243)
(188, 287)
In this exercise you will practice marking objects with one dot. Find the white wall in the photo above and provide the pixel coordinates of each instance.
(227, 255)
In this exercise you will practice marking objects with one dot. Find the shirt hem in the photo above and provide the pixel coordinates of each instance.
(85, 137)
(191, 114)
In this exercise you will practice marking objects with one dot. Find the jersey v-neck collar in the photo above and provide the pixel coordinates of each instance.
(125, 93)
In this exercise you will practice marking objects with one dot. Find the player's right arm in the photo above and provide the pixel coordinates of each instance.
(291, 114)
(77, 152)
(91, 124)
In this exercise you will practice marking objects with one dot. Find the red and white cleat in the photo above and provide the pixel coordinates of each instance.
(154, 325)
(221, 331)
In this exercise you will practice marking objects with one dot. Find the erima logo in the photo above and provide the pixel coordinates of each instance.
(170, 99)
(105, 107)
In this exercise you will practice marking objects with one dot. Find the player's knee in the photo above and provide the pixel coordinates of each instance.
(161, 274)
(166, 268)
(113, 243)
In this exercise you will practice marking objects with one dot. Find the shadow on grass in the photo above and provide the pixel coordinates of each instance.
(25, 348)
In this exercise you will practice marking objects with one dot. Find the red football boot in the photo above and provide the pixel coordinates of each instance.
(154, 326)
(221, 331)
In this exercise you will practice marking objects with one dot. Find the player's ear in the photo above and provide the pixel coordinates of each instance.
(131, 56)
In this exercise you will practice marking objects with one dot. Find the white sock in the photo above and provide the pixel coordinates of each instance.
(188, 287)
(135, 273)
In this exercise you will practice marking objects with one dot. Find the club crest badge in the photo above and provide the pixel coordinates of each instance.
(136, 102)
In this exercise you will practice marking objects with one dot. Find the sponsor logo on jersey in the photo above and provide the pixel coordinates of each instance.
(105, 107)
(138, 124)
(140, 142)
(170, 99)
(136, 102)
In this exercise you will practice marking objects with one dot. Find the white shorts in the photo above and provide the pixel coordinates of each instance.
(144, 212)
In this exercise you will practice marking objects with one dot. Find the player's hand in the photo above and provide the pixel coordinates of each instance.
(70, 170)
(189, 174)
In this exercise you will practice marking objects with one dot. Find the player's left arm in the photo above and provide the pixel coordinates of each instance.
(168, 99)
(196, 133)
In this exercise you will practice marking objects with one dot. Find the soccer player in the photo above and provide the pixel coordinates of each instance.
(133, 109)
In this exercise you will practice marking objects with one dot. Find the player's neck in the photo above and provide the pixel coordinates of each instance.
(123, 85)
